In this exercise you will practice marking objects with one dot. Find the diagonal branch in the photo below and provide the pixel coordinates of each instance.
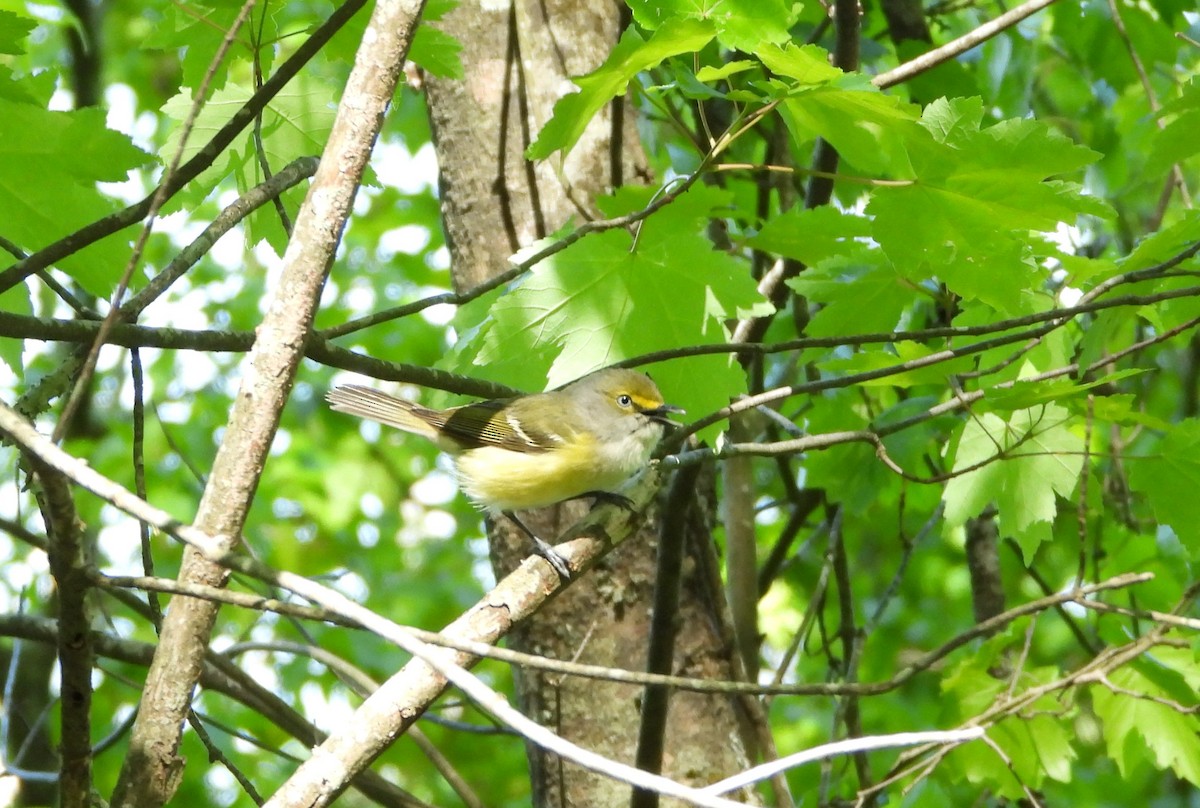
(219, 675)
(151, 770)
(935, 57)
(402, 699)
(581, 552)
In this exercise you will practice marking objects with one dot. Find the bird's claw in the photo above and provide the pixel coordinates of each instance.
(609, 498)
(553, 557)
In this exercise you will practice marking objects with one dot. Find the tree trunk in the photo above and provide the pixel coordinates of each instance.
(518, 59)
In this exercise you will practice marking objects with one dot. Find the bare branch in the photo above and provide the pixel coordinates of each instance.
(850, 746)
(69, 560)
(219, 675)
(150, 773)
(977, 36)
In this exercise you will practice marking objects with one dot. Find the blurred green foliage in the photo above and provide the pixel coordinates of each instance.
(1021, 176)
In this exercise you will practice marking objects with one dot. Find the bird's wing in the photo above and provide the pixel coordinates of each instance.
(497, 423)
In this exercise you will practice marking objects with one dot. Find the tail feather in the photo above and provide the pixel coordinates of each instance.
(367, 402)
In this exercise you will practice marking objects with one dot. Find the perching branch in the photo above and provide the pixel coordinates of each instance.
(402, 699)
(30, 440)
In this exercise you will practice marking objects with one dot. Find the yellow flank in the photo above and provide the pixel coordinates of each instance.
(517, 481)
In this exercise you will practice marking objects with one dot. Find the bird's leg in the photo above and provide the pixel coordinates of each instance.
(543, 549)
(609, 498)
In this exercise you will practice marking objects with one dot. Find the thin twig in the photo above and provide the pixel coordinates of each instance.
(977, 36)
(83, 382)
(848, 746)
(113, 223)
(24, 434)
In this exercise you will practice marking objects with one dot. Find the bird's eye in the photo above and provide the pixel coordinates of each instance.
(624, 400)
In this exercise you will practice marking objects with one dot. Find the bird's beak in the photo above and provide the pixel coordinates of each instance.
(662, 413)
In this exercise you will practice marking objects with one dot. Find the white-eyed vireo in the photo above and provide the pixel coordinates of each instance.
(584, 439)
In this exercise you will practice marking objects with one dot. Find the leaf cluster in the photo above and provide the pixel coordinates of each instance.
(982, 318)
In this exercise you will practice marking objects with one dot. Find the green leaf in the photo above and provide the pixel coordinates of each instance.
(631, 55)
(1170, 738)
(296, 122)
(965, 219)
(1024, 147)
(1165, 244)
(74, 145)
(50, 163)
(1172, 679)
(1122, 409)
(1025, 394)
(934, 233)
(741, 25)
(746, 24)
(953, 120)
(1170, 478)
(1176, 141)
(196, 33)
(857, 300)
(810, 235)
(15, 301)
(1086, 268)
(709, 73)
(13, 31)
(1037, 742)
(683, 81)
(1039, 746)
(1025, 462)
(867, 127)
(434, 49)
(807, 64)
(604, 299)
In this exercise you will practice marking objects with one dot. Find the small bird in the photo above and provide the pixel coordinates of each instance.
(582, 440)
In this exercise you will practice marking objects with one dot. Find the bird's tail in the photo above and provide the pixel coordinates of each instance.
(366, 402)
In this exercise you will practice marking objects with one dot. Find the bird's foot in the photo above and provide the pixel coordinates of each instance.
(609, 498)
(553, 557)
(543, 548)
